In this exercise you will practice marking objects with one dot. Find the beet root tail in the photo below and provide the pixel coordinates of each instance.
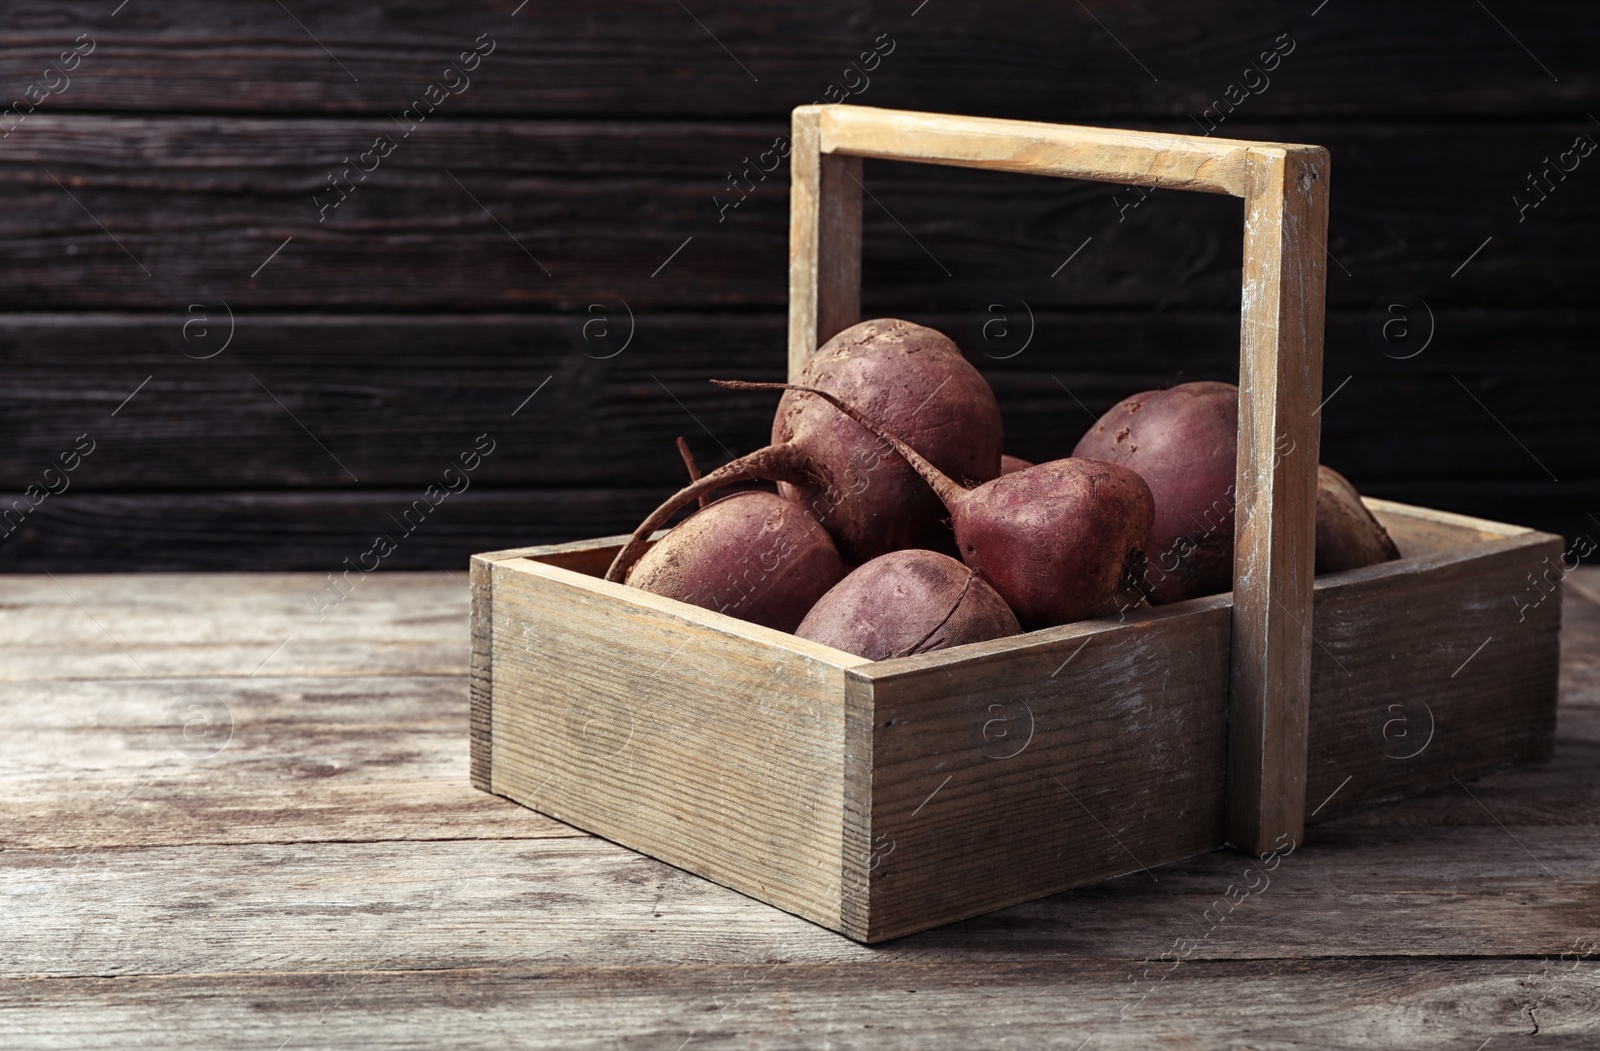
(948, 491)
(775, 463)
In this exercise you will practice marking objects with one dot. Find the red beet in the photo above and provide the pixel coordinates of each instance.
(870, 501)
(1055, 540)
(751, 555)
(908, 602)
(1183, 443)
(1348, 536)
(1012, 464)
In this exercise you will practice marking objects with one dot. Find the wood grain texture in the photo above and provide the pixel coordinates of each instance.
(290, 759)
(588, 558)
(1280, 388)
(206, 425)
(1064, 151)
(202, 202)
(1011, 58)
(198, 133)
(480, 717)
(878, 1005)
(1421, 679)
(312, 530)
(824, 239)
(1026, 766)
(126, 626)
(716, 745)
(579, 903)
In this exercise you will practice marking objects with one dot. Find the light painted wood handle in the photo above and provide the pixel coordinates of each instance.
(1285, 188)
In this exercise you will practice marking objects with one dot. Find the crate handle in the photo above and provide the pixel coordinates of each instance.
(1285, 190)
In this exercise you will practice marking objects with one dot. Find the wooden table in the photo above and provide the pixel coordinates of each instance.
(329, 879)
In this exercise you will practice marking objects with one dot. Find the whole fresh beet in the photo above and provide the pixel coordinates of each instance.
(906, 602)
(1183, 441)
(1348, 536)
(1056, 540)
(751, 555)
(868, 499)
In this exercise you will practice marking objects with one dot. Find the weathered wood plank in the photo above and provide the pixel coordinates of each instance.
(355, 759)
(887, 1003)
(208, 425)
(480, 683)
(331, 907)
(1066, 754)
(228, 761)
(131, 626)
(1123, 157)
(1400, 705)
(1280, 380)
(312, 530)
(603, 205)
(824, 241)
(1012, 58)
(716, 746)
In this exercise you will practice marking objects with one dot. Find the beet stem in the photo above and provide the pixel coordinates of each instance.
(949, 492)
(774, 463)
(694, 468)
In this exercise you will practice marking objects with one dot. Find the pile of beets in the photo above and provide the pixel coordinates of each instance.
(898, 526)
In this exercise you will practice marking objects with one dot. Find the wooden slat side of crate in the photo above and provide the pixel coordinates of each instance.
(712, 744)
(581, 557)
(1007, 770)
(1442, 666)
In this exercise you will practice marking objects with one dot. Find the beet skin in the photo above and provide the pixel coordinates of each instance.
(1183, 442)
(752, 555)
(915, 383)
(908, 602)
(1348, 537)
(1057, 539)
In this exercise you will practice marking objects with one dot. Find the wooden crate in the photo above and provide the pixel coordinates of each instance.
(883, 798)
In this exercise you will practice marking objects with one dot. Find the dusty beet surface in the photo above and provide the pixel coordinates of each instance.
(908, 602)
(1184, 443)
(1012, 464)
(863, 494)
(915, 382)
(1056, 540)
(1348, 536)
(752, 555)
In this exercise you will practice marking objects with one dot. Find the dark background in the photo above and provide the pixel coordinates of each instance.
(375, 345)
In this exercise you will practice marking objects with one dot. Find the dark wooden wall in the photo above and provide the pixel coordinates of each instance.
(143, 201)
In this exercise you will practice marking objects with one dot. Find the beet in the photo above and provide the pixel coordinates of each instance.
(1348, 536)
(751, 555)
(870, 501)
(906, 602)
(1183, 441)
(1056, 540)
(1012, 464)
